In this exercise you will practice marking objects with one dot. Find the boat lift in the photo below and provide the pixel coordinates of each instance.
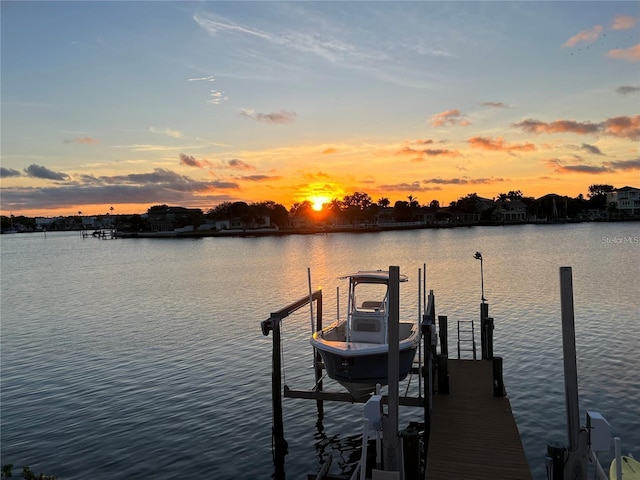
(393, 399)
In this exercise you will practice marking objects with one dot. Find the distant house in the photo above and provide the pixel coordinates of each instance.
(510, 211)
(90, 222)
(385, 215)
(423, 216)
(237, 223)
(43, 223)
(626, 200)
(484, 204)
(552, 207)
(163, 218)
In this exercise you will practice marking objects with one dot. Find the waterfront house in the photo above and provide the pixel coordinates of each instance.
(626, 200)
(163, 218)
(510, 211)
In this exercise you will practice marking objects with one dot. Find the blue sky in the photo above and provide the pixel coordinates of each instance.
(130, 104)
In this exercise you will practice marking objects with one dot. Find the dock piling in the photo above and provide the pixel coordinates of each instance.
(281, 445)
(317, 362)
(443, 332)
(498, 382)
(484, 314)
(391, 437)
(575, 463)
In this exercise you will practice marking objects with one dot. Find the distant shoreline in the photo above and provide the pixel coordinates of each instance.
(264, 232)
(273, 232)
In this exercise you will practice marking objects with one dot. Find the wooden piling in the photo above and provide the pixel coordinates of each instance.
(392, 451)
(281, 446)
(272, 324)
(484, 314)
(498, 382)
(428, 330)
(317, 358)
(576, 461)
(488, 326)
(444, 337)
(569, 354)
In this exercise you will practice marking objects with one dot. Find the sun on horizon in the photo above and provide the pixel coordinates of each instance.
(318, 201)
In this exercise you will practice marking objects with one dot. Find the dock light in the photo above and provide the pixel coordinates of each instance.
(478, 256)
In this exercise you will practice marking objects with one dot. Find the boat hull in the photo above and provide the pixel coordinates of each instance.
(360, 373)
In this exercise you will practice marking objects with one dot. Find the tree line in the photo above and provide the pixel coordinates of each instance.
(357, 207)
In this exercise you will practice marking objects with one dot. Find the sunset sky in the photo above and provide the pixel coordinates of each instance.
(132, 104)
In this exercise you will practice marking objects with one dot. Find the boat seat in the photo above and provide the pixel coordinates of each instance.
(372, 305)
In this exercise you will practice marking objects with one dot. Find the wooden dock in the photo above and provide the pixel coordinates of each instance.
(473, 434)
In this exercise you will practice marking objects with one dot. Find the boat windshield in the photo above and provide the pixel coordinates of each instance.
(370, 297)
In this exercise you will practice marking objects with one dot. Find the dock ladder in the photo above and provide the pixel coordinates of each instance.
(466, 337)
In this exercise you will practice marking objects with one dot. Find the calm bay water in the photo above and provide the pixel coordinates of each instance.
(141, 358)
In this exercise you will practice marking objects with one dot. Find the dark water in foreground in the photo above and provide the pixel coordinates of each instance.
(141, 358)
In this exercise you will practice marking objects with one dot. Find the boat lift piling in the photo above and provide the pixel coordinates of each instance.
(273, 324)
(570, 460)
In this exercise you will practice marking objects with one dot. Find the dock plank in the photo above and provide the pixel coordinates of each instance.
(473, 434)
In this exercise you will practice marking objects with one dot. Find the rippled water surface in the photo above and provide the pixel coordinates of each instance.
(140, 358)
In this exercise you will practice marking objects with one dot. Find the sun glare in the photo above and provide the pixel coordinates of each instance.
(317, 201)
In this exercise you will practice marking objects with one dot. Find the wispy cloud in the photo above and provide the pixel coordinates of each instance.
(622, 127)
(83, 140)
(586, 36)
(154, 148)
(259, 178)
(498, 144)
(427, 152)
(331, 45)
(559, 166)
(318, 44)
(209, 78)
(167, 131)
(216, 97)
(591, 149)
(278, 118)
(237, 164)
(449, 117)
(462, 181)
(495, 104)
(625, 165)
(436, 183)
(407, 187)
(217, 24)
(631, 54)
(191, 161)
(579, 166)
(622, 22)
(627, 90)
